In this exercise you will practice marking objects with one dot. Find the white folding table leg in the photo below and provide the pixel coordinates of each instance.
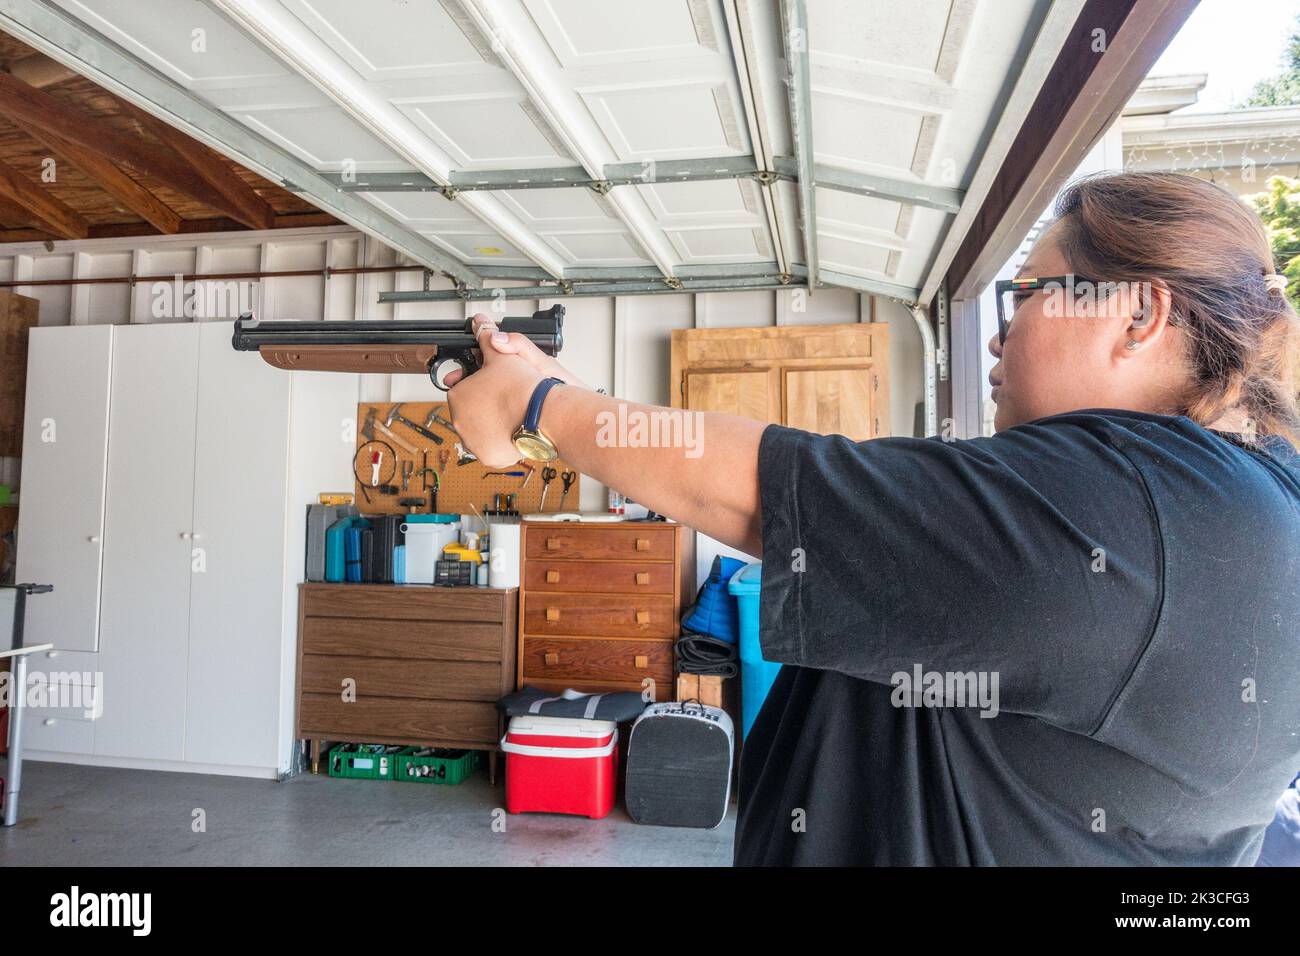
(18, 704)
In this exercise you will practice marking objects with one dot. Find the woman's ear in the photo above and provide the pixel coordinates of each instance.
(1151, 303)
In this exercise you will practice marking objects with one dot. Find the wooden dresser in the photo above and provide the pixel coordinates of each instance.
(601, 604)
(429, 664)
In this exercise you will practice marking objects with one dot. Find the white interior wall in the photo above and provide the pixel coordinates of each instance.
(620, 343)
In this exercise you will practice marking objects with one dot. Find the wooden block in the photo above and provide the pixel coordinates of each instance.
(709, 691)
(688, 686)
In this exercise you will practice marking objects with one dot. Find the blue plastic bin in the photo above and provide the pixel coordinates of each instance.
(335, 552)
(756, 674)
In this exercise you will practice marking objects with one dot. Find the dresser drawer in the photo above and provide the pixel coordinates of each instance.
(412, 602)
(552, 659)
(599, 615)
(607, 577)
(382, 677)
(385, 720)
(423, 640)
(648, 542)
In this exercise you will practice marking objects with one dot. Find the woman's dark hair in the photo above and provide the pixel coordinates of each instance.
(1211, 252)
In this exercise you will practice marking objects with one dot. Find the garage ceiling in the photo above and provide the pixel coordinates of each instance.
(578, 140)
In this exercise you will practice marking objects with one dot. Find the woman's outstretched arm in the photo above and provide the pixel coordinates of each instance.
(699, 468)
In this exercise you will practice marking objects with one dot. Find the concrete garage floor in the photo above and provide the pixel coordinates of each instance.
(99, 816)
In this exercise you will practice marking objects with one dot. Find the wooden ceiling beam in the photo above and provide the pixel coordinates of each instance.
(50, 214)
(112, 180)
(27, 105)
(10, 211)
(244, 203)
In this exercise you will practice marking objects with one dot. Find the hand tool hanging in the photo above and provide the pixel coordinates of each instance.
(394, 416)
(372, 424)
(377, 455)
(548, 475)
(568, 477)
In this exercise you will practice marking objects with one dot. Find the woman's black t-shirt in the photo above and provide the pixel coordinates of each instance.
(1075, 642)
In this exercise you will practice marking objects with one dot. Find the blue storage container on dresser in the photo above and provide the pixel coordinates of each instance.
(335, 556)
(756, 674)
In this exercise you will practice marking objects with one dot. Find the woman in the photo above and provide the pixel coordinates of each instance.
(1116, 571)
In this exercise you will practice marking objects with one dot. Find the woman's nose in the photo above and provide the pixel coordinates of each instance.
(995, 346)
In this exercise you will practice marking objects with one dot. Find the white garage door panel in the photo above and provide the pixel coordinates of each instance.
(65, 431)
(388, 39)
(909, 92)
(144, 612)
(163, 34)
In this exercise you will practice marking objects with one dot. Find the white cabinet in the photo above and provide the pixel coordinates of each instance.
(205, 461)
(144, 613)
(61, 521)
(232, 684)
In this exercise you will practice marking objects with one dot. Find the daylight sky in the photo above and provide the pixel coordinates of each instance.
(1236, 42)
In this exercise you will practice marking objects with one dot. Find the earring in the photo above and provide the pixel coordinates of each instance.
(1131, 344)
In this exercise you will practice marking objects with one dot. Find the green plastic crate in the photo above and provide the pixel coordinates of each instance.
(364, 761)
(435, 765)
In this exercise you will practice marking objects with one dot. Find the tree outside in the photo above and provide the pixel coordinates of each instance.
(1283, 89)
(1279, 207)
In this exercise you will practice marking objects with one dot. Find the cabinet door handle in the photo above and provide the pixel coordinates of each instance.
(552, 613)
(551, 658)
(552, 577)
(643, 544)
(552, 544)
(51, 654)
(641, 662)
(50, 721)
(643, 617)
(643, 577)
(185, 535)
(93, 539)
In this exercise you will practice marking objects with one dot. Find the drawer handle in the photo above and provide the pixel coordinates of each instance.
(552, 577)
(643, 617)
(641, 661)
(643, 544)
(552, 613)
(51, 654)
(50, 721)
(552, 544)
(643, 577)
(551, 658)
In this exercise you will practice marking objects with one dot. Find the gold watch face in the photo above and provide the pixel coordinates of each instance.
(534, 446)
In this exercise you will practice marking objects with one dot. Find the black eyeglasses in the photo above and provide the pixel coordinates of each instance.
(1021, 289)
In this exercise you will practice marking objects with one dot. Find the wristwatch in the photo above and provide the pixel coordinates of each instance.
(529, 442)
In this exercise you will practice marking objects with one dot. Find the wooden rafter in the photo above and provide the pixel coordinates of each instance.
(29, 106)
(111, 179)
(11, 211)
(122, 230)
(51, 215)
(248, 207)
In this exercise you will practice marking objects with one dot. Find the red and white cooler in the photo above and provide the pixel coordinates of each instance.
(561, 765)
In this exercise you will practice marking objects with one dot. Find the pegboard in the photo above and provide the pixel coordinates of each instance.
(459, 485)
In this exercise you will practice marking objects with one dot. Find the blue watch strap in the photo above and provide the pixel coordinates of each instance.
(534, 413)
